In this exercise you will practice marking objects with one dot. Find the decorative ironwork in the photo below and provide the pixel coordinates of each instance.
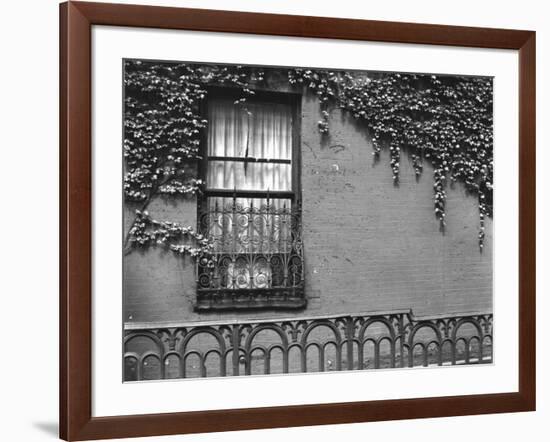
(347, 342)
(257, 259)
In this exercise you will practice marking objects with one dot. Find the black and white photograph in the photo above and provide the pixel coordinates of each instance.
(284, 220)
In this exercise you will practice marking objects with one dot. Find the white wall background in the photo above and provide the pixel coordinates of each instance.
(29, 221)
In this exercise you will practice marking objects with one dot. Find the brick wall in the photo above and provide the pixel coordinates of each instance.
(369, 245)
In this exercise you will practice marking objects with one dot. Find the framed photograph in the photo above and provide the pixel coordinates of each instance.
(272, 220)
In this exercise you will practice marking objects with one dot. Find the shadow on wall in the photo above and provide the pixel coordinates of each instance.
(49, 428)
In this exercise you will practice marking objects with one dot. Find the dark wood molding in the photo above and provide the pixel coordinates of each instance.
(299, 26)
(527, 221)
(76, 421)
(75, 222)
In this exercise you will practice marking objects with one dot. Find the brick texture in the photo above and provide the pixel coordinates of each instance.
(369, 245)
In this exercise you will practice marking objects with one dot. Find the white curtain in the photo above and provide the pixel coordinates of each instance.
(253, 130)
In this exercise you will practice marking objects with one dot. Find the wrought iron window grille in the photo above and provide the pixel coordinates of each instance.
(257, 256)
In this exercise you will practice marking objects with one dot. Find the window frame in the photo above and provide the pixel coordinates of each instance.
(294, 99)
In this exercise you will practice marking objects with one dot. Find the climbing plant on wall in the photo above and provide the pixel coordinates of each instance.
(446, 120)
(162, 128)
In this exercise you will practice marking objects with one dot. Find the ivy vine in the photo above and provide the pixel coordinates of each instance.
(446, 120)
(162, 127)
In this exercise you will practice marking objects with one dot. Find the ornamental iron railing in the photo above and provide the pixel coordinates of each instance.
(257, 259)
(299, 345)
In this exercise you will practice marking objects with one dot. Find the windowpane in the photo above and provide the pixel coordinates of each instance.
(248, 176)
(258, 130)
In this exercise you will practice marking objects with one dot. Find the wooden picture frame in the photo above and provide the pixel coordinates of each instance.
(76, 421)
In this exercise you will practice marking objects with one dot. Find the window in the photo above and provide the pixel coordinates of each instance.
(250, 206)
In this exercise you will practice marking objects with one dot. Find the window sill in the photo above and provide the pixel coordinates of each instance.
(283, 298)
